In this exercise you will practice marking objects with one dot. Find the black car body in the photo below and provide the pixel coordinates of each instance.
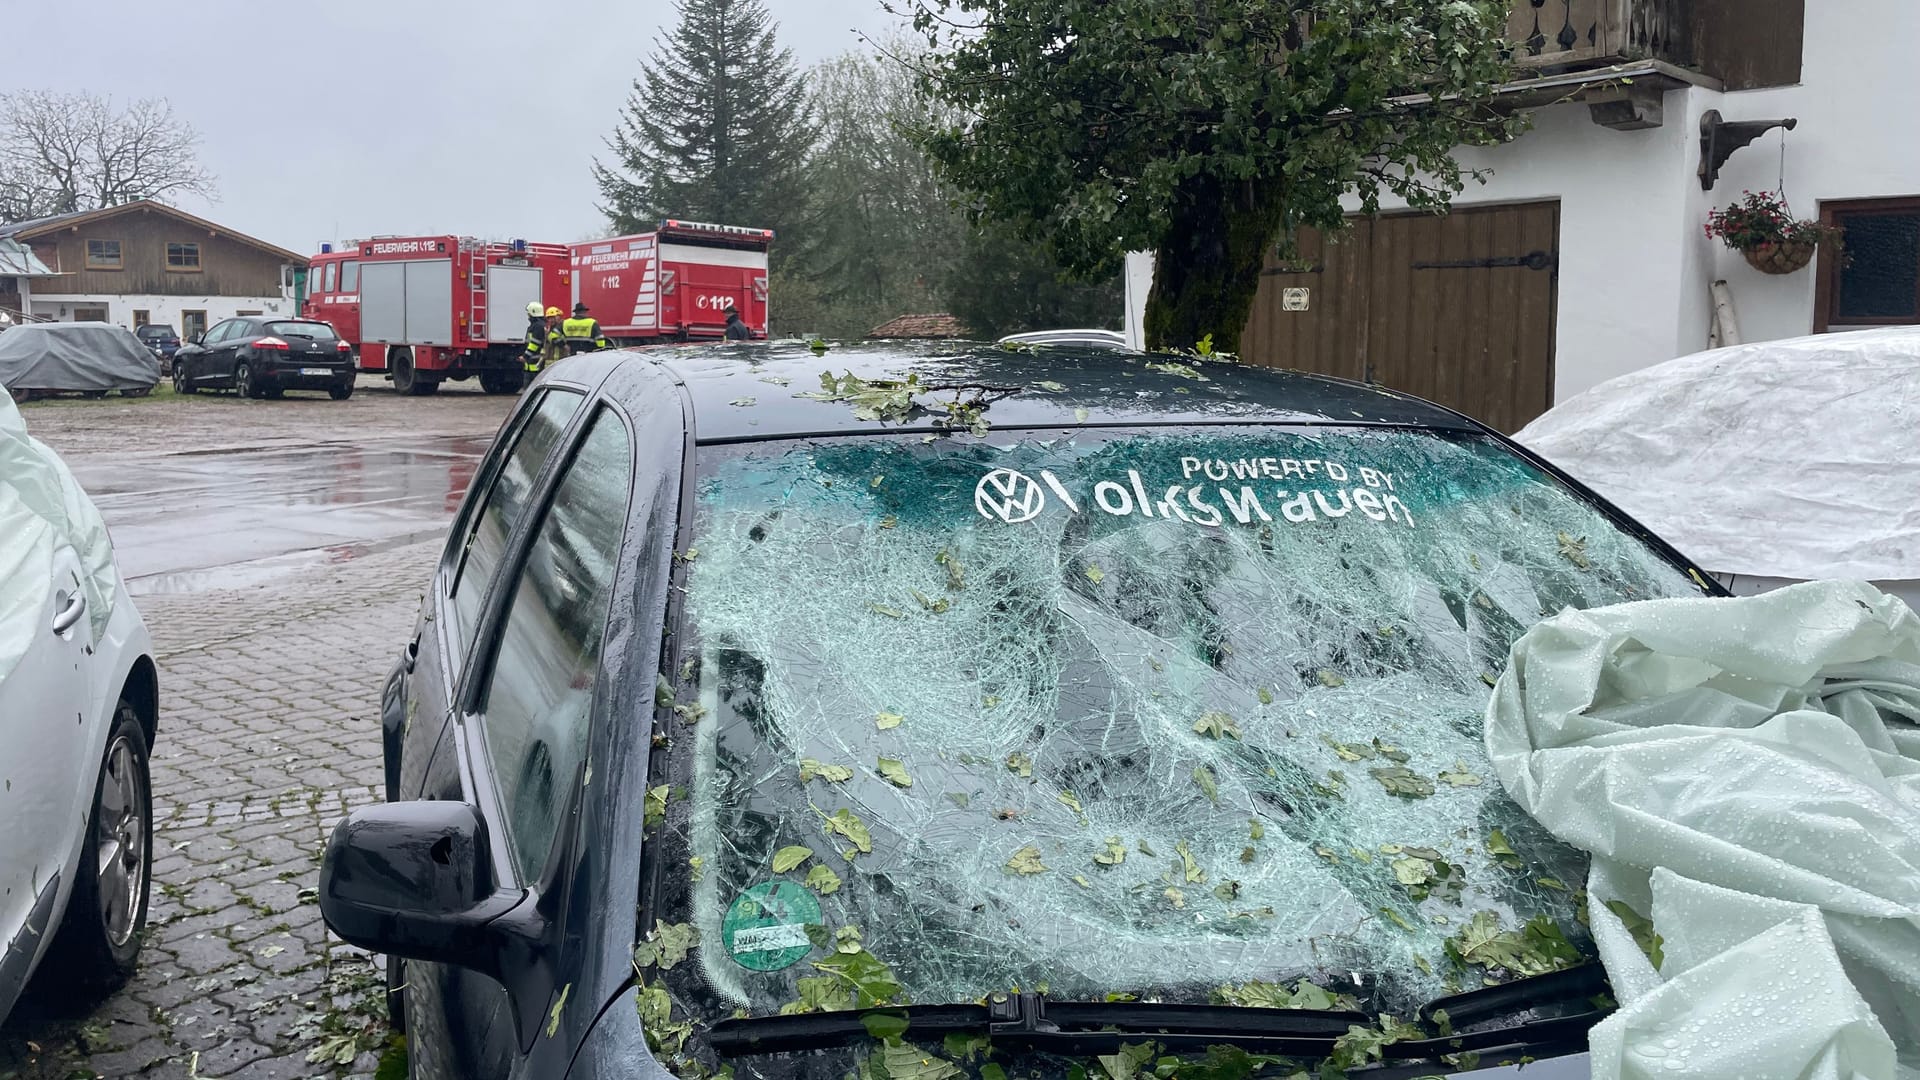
(746, 699)
(162, 340)
(259, 357)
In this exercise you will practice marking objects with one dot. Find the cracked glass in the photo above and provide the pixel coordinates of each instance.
(1149, 713)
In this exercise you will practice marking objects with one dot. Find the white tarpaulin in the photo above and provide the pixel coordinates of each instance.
(1782, 459)
(41, 510)
(1746, 774)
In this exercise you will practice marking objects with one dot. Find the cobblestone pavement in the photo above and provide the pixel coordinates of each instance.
(269, 733)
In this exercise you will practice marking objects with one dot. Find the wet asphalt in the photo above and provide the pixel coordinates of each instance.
(240, 517)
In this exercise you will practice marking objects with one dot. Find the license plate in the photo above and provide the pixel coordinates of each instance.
(316, 371)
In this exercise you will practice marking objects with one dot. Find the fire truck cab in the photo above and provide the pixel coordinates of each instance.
(425, 309)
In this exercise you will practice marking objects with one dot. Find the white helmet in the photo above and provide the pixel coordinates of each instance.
(534, 310)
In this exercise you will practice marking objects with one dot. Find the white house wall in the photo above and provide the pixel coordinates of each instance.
(1636, 269)
(1856, 140)
(163, 310)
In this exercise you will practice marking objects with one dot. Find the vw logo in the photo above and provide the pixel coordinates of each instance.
(1010, 496)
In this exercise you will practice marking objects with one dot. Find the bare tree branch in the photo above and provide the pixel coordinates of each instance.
(65, 152)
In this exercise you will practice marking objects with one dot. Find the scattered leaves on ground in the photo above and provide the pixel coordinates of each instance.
(1020, 764)
(1114, 855)
(1189, 865)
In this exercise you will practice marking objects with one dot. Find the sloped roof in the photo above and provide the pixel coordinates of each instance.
(939, 325)
(28, 230)
(18, 260)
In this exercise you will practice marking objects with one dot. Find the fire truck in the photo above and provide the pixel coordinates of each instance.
(426, 309)
(675, 283)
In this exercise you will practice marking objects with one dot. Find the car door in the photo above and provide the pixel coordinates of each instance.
(240, 334)
(518, 749)
(205, 365)
(493, 507)
(46, 724)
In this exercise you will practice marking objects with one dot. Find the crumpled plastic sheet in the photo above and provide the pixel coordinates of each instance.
(1746, 774)
(42, 509)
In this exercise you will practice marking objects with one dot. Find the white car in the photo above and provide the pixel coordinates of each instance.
(1767, 463)
(1091, 339)
(78, 708)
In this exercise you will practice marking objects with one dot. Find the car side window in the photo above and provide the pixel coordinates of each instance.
(219, 333)
(539, 693)
(494, 517)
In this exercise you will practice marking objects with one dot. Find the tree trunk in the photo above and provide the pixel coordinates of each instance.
(1206, 274)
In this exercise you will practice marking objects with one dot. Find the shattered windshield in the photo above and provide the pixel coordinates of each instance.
(1180, 715)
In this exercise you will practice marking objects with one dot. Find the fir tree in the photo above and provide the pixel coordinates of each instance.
(717, 127)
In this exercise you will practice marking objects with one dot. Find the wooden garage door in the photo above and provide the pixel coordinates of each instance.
(1457, 308)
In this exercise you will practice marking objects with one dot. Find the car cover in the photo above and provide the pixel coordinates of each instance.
(75, 356)
(43, 509)
(1746, 776)
(1783, 459)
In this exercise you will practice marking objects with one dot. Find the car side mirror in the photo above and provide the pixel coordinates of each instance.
(415, 879)
(196, 339)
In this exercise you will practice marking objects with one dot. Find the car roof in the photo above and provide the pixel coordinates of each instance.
(754, 391)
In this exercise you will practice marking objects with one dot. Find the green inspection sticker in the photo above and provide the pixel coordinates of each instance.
(766, 927)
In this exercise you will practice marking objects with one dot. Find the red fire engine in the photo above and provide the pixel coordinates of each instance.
(426, 309)
(673, 284)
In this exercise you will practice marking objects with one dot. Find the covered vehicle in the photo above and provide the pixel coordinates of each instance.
(92, 358)
(78, 701)
(1769, 463)
(967, 712)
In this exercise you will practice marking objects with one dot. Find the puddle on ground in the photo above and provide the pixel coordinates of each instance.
(255, 572)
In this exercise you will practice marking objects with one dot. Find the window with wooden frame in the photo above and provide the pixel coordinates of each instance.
(1876, 281)
(103, 255)
(183, 257)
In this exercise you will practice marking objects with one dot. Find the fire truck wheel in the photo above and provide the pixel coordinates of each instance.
(405, 379)
(500, 382)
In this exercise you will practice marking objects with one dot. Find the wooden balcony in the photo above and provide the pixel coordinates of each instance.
(1562, 35)
(1740, 44)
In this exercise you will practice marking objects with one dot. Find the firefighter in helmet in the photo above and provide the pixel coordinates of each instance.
(582, 333)
(531, 355)
(556, 340)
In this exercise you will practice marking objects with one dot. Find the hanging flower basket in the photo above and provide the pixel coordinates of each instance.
(1761, 228)
(1780, 258)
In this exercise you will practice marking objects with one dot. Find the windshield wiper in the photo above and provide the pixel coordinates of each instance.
(1561, 1003)
(1030, 1021)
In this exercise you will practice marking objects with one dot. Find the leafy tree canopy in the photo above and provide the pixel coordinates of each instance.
(1203, 130)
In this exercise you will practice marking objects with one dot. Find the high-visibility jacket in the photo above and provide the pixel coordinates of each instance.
(583, 335)
(556, 344)
(536, 343)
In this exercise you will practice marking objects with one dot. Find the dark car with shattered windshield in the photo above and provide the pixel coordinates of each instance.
(938, 711)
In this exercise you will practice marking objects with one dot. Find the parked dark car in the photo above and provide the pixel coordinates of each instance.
(1082, 699)
(261, 357)
(162, 340)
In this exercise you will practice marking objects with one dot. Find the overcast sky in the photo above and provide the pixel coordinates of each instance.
(347, 118)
